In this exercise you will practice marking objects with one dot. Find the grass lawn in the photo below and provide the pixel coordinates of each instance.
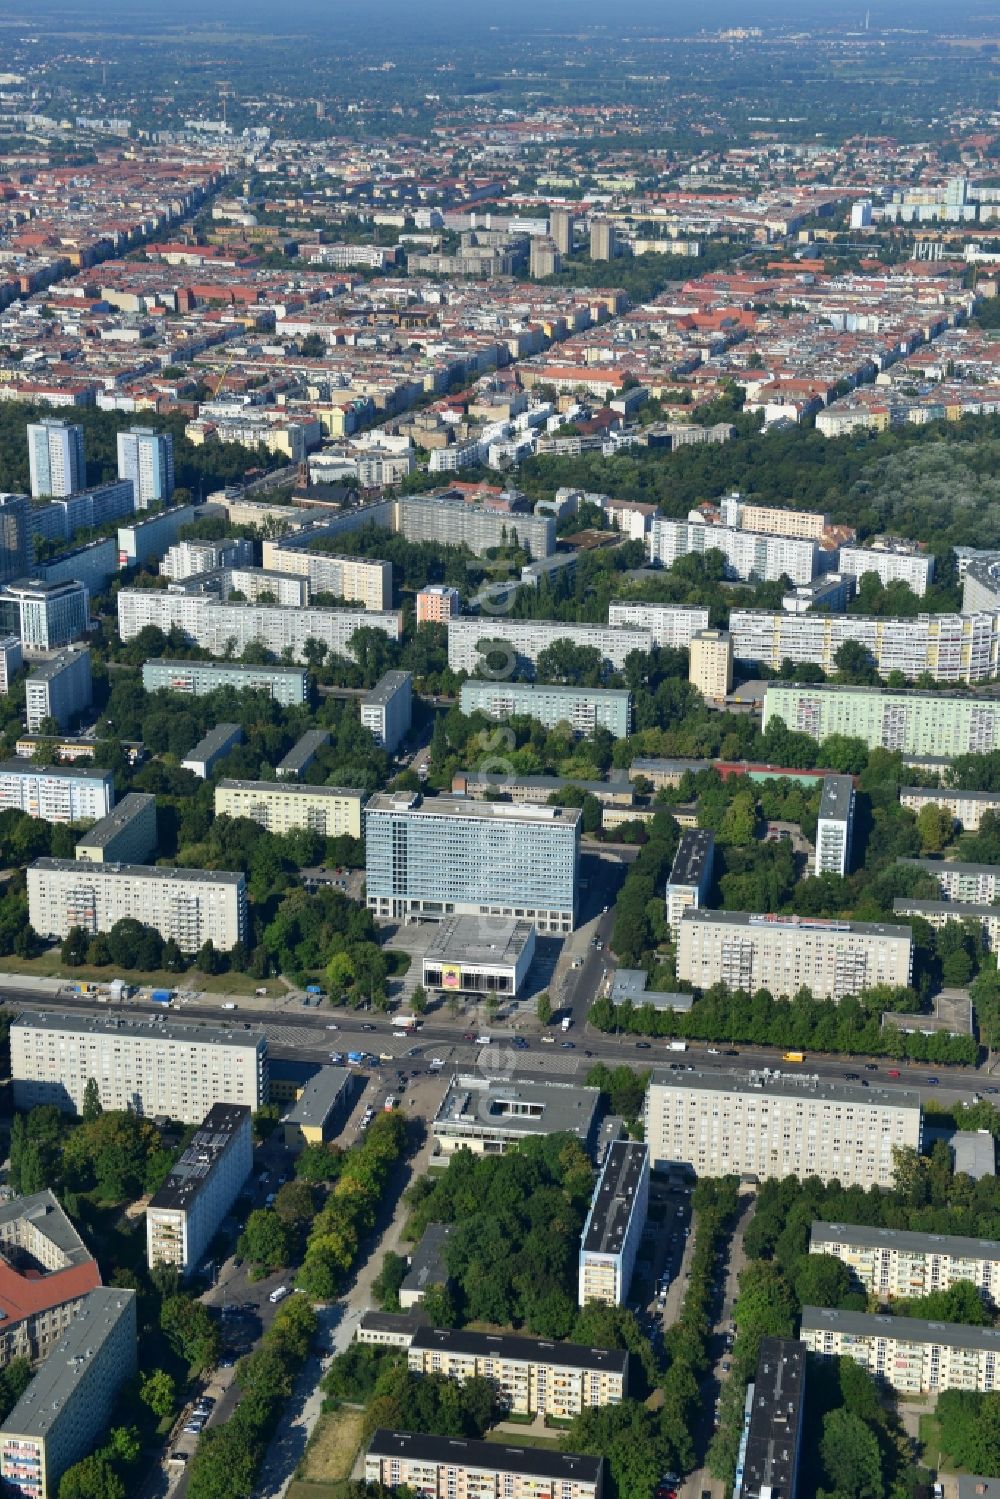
(300, 1489)
(930, 1443)
(523, 1439)
(48, 966)
(332, 1449)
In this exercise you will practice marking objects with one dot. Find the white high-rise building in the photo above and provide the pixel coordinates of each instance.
(184, 1215)
(55, 458)
(765, 1125)
(56, 793)
(147, 458)
(835, 827)
(669, 624)
(147, 1063)
(191, 906)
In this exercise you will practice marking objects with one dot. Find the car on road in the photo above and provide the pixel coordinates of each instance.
(400, 1035)
(892, 1072)
(932, 1080)
(713, 1051)
(642, 1046)
(367, 1026)
(568, 1046)
(871, 1066)
(991, 1090)
(852, 1077)
(436, 1063)
(468, 1036)
(549, 1040)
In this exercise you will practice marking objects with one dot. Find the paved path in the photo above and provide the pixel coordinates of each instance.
(338, 1324)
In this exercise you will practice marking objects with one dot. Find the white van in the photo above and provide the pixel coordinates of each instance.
(279, 1294)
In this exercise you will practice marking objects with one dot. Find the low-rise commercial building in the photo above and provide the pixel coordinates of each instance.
(765, 1125)
(690, 877)
(967, 807)
(479, 955)
(207, 753)
(280, 806)
(446, 856)
(485, 1115)
(786, 953)
(531, 1375)
(615, 1224)
(835, 827)
(583, 708)
(59, 686)
(387, 711)
(454, 1468)
(768, 1461)
(73, 1397)
(320, 1110)
(191, 906)
(185, 1214)
(46, 1271)
(285, 684)
(147, 1063)
(428, 1265)
(56, 793)
(893, 1262)
(907, 1354)
(126, 836)
(389, 1329)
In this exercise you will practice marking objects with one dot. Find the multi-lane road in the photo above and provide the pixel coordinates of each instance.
(312, 1034)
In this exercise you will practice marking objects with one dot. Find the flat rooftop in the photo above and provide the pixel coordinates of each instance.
(905, 1329)
(144, 1027)
(614, 1200)
(952, 866)
(386, 688)
(219, 738)
(836, 798)
(322, 1094)
(54, 666)
(207, 1146)
(411, 804)
(520, 1349)
(21, 767)
(303, 751)
(400, 1323)
(474, 1104)
(130, 807)
(630, 983)
(545, 689)
(909, 905)
(808, 688)
(291, 788)
(953, 1246)
(772, 1437)
(226, 668)
(975, 1153)
(942, 792)
(803, 924)
(87, 871)
(693, 859)
(42, 1403)
(808, 1087)
(490, 1457)
(479, 939)
(428, 1262)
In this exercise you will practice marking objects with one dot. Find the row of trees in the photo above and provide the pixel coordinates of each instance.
(851, 1025)
(116, 1154)
(351, 1207)
(228, 1456)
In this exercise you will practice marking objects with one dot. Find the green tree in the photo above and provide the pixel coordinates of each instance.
(851, 1457)
(418, 1000)
(265, 1241)
(92, 1106)
(934, 825)
(92, 1477)
(385, 1286)
(190, 1331)
(544, 1009)
(157, 1390)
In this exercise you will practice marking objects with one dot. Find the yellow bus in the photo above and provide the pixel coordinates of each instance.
(793, 1056)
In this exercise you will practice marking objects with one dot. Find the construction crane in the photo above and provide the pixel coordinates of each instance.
(222, 377)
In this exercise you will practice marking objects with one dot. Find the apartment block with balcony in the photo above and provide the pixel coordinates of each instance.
(280, 806)
(457, 1468)
(56, 793)
(764, 1125)
(966, 807)
(894, 1262)
(148, 1064)
(615, 1224)
(786, 953)
(583, 708)
(126, 836)
(184, 1215)
(910, 1356)
(670, 625)
(285, 684)
(192, 906)
(835, 826)
(72, 1399)
(532, 1375)
(517, 643)
(690, 877)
